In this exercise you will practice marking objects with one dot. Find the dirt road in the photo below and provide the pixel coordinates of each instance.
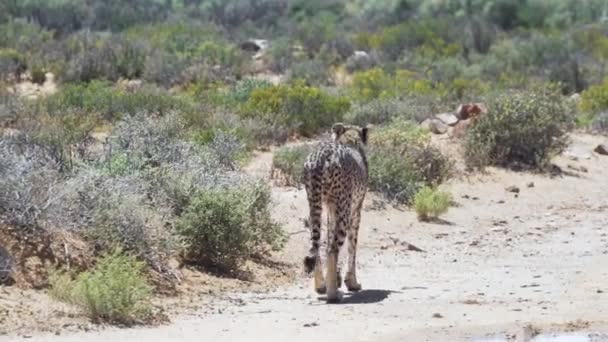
(498, 263)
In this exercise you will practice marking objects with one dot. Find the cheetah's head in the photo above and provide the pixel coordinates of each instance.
(349, 134)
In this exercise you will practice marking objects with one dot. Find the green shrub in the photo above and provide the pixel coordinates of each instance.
(399, 134)
(280, 55)
(375, 83)
(23, 35)
(115, 290)
(600, 123)
(289, 162)
(409, 83)
(188, 52)
(522, 128)
(222, 227)
(95, 97)
(382, 111)
(391, 41)
(220, 53)
(164, 68)
(391, 175)
(430, 203)
(252, 132)
(313, 31)
(549, 57)
(92, 56)
(101, 99)
(300, 107)
(399, 174)
(12, 64)
(180, 38)
(38, 75)
(460, 89)
(401, 161)
(595, 98)
(126, 219)
(313, 72)
(241, 92)
(371, 84)
(60, 134)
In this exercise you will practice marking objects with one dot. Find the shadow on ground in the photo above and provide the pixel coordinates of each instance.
(364, 296)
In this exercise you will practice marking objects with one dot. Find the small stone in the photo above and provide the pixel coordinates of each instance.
(512, 188)
(577, 152)
(437, 315)
(435, 126)
(448, 118)
(601, 149)
(576, 97)
(361, 59)
(531, 185)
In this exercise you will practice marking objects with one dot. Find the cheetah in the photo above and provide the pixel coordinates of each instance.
(335, 175)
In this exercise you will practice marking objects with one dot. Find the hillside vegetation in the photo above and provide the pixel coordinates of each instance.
(160, 103)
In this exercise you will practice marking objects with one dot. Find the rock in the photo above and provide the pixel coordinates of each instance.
(254, 45)
(513, 189)
(469, 110)
(531, 185)
(577, 152)
(411, 247)
(448, 118)
(360, 54)
(576, 97)
(359, 60)
(437, 315)
(601, 149)
(435, 126)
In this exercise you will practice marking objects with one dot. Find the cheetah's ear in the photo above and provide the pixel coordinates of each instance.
(338, 129)
(364, 135)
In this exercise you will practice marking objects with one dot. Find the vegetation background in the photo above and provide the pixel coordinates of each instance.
(159, 105)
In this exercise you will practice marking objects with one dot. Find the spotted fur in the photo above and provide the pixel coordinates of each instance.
(335, 175)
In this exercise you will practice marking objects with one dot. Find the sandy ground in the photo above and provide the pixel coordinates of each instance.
(501, 267)
(32, 90)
